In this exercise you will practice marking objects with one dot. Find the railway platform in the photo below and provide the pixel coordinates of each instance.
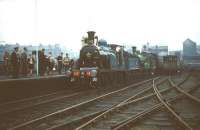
(12, 89)
(34, 77)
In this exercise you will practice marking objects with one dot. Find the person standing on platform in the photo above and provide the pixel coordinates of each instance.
(42, 62)
(6, 62)
(59, 60)
(66, 62)
(24, 62)
(39, 62)
(31, 62)
(15, 62)
(72, 63)
(50, 63)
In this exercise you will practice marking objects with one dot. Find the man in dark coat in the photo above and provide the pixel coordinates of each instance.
(24, 62)
(66, 62)
(60, 59)
(42, 62)
(15, 62)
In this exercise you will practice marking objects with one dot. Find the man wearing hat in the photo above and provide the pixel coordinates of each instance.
(60, 61)
(66, 62)
(42, 62)
(24, 62)
(15, 62)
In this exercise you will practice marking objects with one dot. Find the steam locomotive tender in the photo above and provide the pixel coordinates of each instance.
(171, 64)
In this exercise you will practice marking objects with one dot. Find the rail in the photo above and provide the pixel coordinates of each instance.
(80, 104)
(147, 112)
(123, 103)
(179, 119)
(185, 93)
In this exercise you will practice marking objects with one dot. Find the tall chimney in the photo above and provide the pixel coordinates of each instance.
(133, 49)
(91, 37)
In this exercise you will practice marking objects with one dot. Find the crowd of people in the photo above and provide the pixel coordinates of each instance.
(23, 64)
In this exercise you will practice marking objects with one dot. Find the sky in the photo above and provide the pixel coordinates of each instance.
(125, 22)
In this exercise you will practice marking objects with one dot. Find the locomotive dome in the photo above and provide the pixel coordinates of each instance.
(102, 42)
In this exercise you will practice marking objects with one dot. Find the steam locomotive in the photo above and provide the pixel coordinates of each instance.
(98, 56)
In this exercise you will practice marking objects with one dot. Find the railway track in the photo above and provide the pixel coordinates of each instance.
(19, 111)
(84, 109)
(165, 102)
(177, 118)
(25, 112)
(121, 111)
(122, 108)
(125, 113)
(26, 103)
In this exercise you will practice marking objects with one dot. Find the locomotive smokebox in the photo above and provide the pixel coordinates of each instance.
(91, 37)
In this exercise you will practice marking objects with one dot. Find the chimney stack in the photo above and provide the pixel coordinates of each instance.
(133, 49)
(91, 37)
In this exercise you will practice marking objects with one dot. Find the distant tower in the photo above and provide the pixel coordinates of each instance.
(189, 48)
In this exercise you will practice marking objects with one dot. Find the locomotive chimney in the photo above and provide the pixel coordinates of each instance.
(91, 37)
(134, 49)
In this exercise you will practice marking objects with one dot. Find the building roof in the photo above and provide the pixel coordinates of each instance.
(188, 41)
